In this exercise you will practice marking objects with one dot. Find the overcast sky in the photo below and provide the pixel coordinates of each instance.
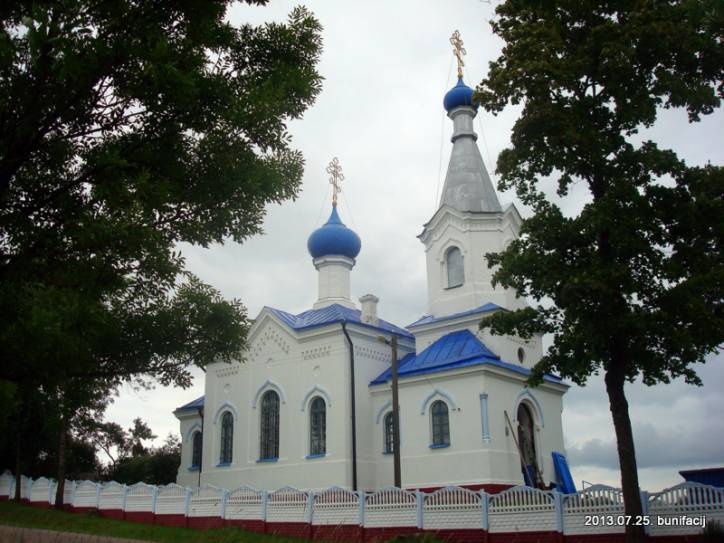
(387, 66)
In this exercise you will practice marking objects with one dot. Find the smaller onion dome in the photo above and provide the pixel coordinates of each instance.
(334, 238)
(459, 95)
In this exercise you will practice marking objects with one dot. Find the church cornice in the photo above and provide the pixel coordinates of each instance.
(469, 221)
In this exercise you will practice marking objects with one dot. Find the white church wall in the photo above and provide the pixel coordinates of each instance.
(189, 423)
(475, 235)
(298, 368)
(372, 357)
(479, 452)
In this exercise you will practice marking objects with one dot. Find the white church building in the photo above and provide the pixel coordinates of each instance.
(311, 404)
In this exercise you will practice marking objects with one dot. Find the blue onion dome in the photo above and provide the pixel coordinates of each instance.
(334, 238)
(459, 95)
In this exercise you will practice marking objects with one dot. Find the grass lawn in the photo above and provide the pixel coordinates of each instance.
(14, 514)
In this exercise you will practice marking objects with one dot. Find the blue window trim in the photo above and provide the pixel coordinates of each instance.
(223, 464)
(312, 456)
(194, 468)
(440, 446)
(275, 459)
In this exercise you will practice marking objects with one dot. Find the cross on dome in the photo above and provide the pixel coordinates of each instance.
(335, 177)
(458, 50)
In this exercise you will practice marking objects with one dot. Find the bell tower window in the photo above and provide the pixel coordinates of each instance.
(455, 268)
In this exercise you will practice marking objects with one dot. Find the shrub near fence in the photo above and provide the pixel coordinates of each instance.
(454, 514)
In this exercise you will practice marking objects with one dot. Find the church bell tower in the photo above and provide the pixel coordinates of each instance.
(469, 221)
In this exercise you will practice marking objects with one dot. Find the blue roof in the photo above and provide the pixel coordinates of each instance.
(459, 95)
(454, 350)
(192, 406)
(334, 238)
(331, 314)
(429, 319)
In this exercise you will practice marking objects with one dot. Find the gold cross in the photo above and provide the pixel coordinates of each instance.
(458, 51)
(335, 177)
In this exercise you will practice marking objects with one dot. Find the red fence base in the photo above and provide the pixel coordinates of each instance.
(146, 517)
(178, 520)
(205, 522)
(258, 526)
(383, 534)
(524, 537)
(116, 514)
(290, 529)
(595, 538)
(40, 504)
(459, 535)
(337, 533)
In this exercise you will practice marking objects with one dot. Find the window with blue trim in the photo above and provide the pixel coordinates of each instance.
(440, 424)
(455, 267)
(269, 445)
(227, 438)
(196, 443)
(317, 427)
(389, 426)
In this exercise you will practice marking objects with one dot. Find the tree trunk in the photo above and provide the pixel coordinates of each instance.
(626, 455)
(60, 491)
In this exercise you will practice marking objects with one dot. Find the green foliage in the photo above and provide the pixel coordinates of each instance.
(157, 466)
(632, 285)
(127, 128)
(638, 272)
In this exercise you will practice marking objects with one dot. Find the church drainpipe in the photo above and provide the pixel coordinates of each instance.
(201, 462)
(354, 416)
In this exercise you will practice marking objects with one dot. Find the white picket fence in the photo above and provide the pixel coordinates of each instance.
(516, 510)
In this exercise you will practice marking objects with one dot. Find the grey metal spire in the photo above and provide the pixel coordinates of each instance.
(467, 184)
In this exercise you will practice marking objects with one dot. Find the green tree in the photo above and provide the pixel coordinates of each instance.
(127, 128)
(635, 278)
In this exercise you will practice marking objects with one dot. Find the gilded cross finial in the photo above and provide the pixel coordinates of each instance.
(458, 51)
(335, 177)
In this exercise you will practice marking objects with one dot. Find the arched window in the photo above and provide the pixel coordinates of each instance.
(196, 443)
(389, 433)
(269, 446)
(455, 268)
(227, 438)
(317, 427)
(440, 424)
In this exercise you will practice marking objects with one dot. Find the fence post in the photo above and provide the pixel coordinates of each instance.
(485, 505)
(74, 487)
(30, 489)
(224, 501)
(153, 502)
(361, 513)
(310, 507)
(264, 502)
(98, 495)
(420, 497)
(645, 509)
(559, 511)
(187, 502)
(125, 498)
(50, 491)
